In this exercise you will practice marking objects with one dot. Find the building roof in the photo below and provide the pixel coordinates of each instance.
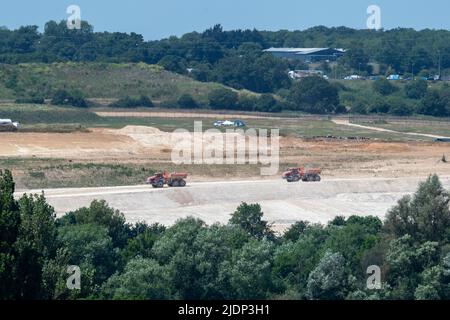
(301, 51)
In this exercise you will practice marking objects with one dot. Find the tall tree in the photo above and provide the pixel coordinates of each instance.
(9, 229)
(425, 216)
(328, 281)
(315, 95)
(36, 243)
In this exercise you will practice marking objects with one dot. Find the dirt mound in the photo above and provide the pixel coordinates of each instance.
(137, 130)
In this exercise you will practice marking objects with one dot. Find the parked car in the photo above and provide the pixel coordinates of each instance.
(394, 77)
(442, 140)
(239, 123)
(353, 77)
(8, 125)
(227, 123)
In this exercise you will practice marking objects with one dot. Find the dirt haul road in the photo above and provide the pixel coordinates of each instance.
(282, 203)
(347, 123)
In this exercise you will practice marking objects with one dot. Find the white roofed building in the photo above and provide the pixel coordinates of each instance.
(307, 54)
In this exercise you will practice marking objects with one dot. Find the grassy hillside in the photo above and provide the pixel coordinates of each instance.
(99, 80)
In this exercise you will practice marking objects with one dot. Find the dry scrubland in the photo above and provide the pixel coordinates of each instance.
(63, 147)
(74, 149)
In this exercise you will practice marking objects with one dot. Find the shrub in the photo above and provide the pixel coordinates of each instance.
(187, 101)
(30, 100)
(379, 104)
(435, 103)
(173, 63)
(247, 102)
(384, 87)
(74, 98)
(315, 95)
(223, 99)
(267, 103)
(129, 102)
(399, 106)
(416, 89)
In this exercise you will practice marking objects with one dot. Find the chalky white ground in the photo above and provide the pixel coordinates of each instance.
(282, 203)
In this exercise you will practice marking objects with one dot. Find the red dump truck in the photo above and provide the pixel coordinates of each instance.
(307, 175)
(160, 179)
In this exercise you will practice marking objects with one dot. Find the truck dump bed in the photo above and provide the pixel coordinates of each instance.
(179, 175)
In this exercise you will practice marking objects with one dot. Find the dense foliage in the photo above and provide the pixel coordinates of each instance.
(243, 259)
(236, 58)
(130, 102)
(74, 98)
(315, 95)
(231, 57)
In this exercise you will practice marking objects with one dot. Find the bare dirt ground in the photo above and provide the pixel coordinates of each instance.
(359, 177)
(282, 203)
(338, 158)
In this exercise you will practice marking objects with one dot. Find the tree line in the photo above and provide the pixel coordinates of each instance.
(235, 57)
(243, 259)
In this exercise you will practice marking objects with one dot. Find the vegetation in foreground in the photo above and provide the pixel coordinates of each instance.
(243, 259)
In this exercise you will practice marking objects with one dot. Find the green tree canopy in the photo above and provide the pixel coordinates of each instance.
(328, 281)
(384, 87)
(425, 216)
(249, 218)
(315, 95)
(223, 99)
(416, 89)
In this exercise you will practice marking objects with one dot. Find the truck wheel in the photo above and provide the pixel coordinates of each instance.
(160, 184)
(318, 178)
(175, 183)
(182, 183)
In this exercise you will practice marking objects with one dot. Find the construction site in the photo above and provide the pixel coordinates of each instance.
(330, 176)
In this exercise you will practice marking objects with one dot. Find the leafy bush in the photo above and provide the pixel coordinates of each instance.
(247, 102)
(31, 100)
(264, 103)
(267, 103)
(74, 98)
(315, 95)
(129, 102)
(399, 106)
(223, 98)
(187, 101)
(384, 87)
(436, 103)
(416, 89)
(173, 63)
(379, 104)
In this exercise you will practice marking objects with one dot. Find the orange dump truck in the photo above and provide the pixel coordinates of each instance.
(307, 175)
(160, 179)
